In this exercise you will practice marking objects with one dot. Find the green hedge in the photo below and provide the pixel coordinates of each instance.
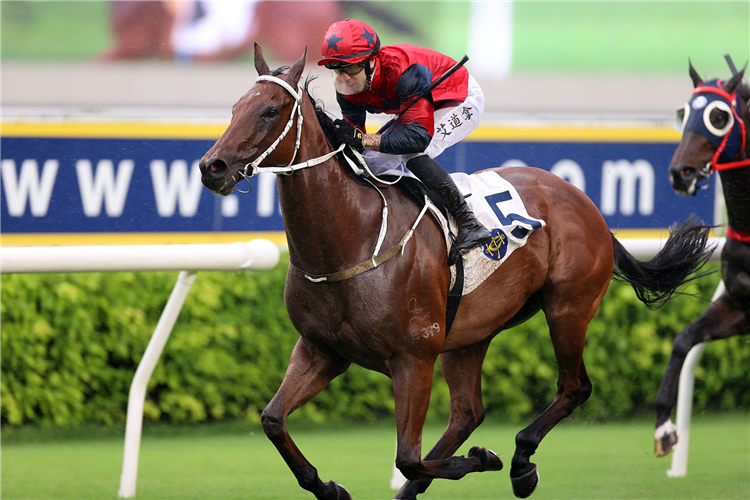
(71, 344)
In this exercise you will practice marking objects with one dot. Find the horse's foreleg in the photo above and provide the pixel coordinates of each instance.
(722, 319)
(462, 370)
(412, 384)
(573, 388)
(310, 370)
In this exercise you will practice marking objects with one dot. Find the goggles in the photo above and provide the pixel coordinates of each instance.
(348, 69)
(683, 116)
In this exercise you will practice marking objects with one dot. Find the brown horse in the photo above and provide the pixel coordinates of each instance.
(715, 129)
(348, 310)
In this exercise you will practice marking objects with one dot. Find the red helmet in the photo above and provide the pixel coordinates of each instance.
(348, 42)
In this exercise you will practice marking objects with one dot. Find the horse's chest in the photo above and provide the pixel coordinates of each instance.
(336, 317)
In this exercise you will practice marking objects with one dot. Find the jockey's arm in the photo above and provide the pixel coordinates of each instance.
(417, 120)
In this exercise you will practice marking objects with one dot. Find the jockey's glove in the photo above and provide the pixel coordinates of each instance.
(344, 133)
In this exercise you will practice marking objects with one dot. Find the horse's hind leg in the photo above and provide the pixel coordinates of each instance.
(412, 383)
(722, 319)
(573, 388)
(310, 370)
(462, 370)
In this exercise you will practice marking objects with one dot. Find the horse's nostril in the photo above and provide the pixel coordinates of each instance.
(217, 168)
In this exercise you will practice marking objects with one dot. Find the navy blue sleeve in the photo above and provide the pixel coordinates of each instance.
(353, 113)
(413, 138)
(413, 81)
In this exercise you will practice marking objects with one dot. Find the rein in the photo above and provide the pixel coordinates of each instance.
(254, 168)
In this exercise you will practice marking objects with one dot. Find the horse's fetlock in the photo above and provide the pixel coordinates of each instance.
(585, 392)
(410, 468)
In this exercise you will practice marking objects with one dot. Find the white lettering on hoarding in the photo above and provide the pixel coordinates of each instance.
(266, 194)
(230, 206)
(104, 186)
(28, 186)
(571, 172)
(176, 187)
(627, 174)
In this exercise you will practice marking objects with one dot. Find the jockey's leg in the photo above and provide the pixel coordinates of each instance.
(471, 232)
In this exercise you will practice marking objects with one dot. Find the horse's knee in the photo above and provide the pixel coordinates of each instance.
(273, 426)
(682, 344)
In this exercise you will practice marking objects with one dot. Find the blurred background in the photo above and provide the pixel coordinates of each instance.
(130, 91)
(618, 58)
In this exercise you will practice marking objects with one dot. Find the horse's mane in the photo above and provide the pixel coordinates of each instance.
(744, 90)
(324, 117)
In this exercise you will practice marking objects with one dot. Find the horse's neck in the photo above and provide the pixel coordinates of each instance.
(330, 219)
(736, 186)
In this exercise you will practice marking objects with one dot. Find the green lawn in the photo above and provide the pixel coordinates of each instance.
(606, 37)
(576, 461)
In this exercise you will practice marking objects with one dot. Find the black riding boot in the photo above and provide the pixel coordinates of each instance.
(471, 232)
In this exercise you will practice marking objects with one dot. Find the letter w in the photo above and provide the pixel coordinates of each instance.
(176, 187)
(104, 186)
(29, 186)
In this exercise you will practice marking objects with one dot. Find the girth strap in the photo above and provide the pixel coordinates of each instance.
(360, 268)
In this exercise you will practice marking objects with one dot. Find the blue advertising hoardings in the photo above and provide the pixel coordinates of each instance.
(71, 185)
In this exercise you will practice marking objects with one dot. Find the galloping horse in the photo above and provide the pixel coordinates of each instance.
(350, 306)
(715, 128)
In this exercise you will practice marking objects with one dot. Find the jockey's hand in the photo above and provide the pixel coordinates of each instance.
(344, 133)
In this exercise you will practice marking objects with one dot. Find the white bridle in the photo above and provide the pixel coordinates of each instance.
(253, 168)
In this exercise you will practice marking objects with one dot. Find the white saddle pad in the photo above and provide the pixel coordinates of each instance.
(496, 204)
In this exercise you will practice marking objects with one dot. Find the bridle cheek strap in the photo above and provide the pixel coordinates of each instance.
(733, 164)
(732, 99)
(254, 166)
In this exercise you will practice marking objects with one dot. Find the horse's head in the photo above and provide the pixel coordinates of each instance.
(259, 118)
(713, 126)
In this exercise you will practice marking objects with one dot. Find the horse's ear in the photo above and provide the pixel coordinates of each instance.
(697, 80)
(732, 84)
(295, 72)
(261, 66)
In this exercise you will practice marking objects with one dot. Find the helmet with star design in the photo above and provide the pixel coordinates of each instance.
(348, 42)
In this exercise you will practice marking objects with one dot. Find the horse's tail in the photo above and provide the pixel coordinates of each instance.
(655, 281)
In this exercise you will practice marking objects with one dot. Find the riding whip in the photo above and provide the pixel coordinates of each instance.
(429, 89)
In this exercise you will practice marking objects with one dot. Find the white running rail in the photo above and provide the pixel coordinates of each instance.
(188, 259)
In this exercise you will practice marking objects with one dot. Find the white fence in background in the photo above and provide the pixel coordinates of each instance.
(188, 259)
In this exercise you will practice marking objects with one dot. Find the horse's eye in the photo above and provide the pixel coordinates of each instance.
(271, 113)
(719, 118)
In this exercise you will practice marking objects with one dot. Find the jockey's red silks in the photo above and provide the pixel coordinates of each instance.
(738, 235)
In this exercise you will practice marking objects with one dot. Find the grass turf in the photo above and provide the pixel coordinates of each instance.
(576, 461)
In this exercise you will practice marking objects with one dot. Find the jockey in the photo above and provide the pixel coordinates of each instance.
(372, 79)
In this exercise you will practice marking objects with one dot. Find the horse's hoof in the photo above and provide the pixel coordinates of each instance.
(489, 459)
(665, 438)
(525, 485)
(341, 492)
